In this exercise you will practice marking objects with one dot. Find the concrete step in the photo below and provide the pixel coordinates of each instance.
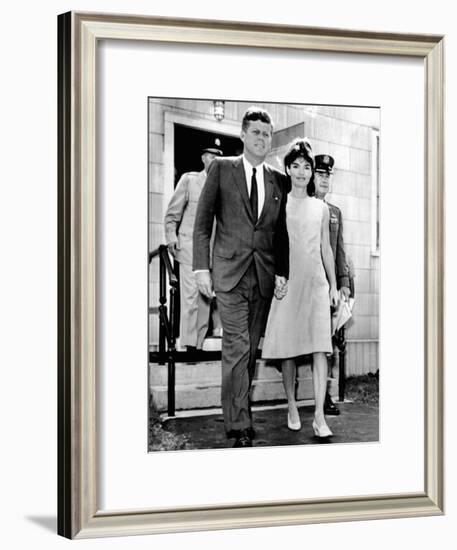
(209, 372)
(209, 344)
(198, 385)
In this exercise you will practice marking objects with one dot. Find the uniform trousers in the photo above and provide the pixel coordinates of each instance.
(195, 309)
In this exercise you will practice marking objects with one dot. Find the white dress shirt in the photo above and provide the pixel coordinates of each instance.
(260, 182)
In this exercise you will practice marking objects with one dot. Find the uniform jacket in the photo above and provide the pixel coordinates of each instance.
(337, 245)
(180, 214)
(238, 239)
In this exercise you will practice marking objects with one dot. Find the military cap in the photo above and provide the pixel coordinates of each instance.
(214, 150)
(323, 163)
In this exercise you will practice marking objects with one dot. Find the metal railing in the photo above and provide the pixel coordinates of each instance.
(167, 330)
(168, 316)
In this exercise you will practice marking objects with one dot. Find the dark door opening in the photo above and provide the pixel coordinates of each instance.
(188, 145)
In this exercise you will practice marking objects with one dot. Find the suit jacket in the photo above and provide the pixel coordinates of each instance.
(337, 245)
(238, 239)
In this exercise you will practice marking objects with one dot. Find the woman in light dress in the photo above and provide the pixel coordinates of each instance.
(299, 322)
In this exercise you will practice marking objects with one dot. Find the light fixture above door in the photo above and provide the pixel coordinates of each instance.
(219, 109)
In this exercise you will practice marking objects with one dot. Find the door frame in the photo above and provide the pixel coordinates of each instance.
(224, 127)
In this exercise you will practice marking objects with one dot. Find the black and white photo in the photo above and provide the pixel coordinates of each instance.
(264, 232)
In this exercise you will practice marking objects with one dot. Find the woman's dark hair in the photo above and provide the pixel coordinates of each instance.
(300, 148)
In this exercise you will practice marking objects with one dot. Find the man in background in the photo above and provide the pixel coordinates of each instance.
(323, 174)
(179, 227)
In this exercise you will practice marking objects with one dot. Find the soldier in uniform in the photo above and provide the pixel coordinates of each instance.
(323, 173)
(179, 226)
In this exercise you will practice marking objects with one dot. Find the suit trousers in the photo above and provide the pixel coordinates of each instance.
(195, 309)
(244, 313)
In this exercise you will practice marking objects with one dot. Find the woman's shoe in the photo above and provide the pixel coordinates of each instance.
(294, 426)
(323, 431)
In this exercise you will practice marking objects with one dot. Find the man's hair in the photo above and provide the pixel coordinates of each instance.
(255, 113)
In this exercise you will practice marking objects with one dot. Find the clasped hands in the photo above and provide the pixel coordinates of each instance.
(280, 287)
(205, 286)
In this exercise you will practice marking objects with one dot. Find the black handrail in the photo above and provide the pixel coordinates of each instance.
(167, 333)
(163, 251)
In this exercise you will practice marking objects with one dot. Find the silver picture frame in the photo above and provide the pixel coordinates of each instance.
(78, 513)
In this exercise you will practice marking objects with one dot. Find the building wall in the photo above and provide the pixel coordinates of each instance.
(344, 133)
(347, 135)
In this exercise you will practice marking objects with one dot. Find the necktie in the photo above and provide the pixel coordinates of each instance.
(253, 199)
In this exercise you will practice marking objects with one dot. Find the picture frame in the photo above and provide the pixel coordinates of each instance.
(79, 515)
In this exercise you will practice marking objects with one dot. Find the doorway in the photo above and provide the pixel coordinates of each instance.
(188, 145)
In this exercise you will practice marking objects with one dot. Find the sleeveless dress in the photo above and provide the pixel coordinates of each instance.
(300, 323)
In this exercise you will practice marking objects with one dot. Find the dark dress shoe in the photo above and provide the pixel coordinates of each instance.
(330, 409)
(243, 440)
(237, 433)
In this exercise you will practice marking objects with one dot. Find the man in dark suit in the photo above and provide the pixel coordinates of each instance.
(323, 172)
(250, 259)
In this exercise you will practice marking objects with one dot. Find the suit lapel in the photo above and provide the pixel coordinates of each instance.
(240, 179)
(269, 184)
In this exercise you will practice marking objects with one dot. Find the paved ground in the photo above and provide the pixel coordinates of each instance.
(358, 422)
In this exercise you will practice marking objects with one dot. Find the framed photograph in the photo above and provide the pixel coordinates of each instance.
(250, 255)
(185, 392)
